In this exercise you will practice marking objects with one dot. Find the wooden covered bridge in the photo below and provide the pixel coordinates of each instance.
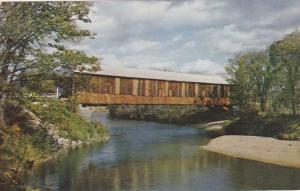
(113, 85)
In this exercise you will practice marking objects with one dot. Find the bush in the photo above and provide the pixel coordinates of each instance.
(21, 145)
(19, 152)
(278, 126)
(69, 124)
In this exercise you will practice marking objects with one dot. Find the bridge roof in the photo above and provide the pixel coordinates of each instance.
(158, 75)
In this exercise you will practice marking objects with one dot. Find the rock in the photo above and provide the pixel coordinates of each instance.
(76, 143)
(55, 137)
(214, 128)
(63, 142)
(45, 106)
(32, 121)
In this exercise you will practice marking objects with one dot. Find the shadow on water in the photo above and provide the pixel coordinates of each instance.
(150, 156)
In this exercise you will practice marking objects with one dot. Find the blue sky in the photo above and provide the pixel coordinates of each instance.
(186, 36)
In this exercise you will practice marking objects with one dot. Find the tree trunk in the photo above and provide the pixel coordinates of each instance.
(262, 105)
(294, 109)
(2, 122)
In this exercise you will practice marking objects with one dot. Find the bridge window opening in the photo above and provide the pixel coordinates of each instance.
(126, 86)
(162, 88)
(217, 91)
(153, 88)
(201, 91)
(226, 90)
(175, 89)
(190, 89)
(222, 91)
(93, 85)
(205, 90)
(106, 85)
(210, 91)
(141, 87)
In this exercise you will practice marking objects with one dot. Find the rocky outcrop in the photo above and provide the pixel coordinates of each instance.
(53, 134)
(169, 113)
(29, 122)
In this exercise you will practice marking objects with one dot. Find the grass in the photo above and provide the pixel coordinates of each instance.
(69, 124)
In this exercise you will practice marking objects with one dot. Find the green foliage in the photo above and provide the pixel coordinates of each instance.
(33, 38)
(278, 126)
(72, 104)
(268, 79)
(251, 75)
(33, 59)
(19, 152)
(285, 57)
(238, 70)
(69, 124)
(22, 146)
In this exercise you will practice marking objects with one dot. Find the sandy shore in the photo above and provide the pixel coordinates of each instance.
(263, 149)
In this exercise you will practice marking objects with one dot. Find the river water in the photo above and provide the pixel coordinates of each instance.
(143, 156)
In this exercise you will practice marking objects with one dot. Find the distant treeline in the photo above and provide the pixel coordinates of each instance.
(268, 80)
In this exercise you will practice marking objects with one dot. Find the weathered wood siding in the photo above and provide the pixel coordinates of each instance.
(100, 99)
(118, 90)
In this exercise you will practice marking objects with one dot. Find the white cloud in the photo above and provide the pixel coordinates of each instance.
(188, 36)
(231, 39)
(189, 45)
(123, 19)
(140, 45)
(177, 38)
(203, 67)
(138, 61)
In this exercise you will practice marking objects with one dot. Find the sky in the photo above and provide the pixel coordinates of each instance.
(185, 36)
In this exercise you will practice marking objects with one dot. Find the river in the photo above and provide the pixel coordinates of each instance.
(143, 156)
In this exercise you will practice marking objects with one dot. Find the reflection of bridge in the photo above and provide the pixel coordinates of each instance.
(133, 86)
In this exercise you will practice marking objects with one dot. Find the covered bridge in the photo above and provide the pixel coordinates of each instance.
(112, 85)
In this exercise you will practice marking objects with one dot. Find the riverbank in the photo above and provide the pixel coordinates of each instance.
(262, 149)
(285, 127)
(34, 130)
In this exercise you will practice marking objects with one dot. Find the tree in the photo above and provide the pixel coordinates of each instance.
(261, 77)
(285, 57)
(239, 76)
(33, 46)
(33, 38)
(251, 76)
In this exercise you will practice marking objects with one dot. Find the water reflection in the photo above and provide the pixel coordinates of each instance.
(150, 156)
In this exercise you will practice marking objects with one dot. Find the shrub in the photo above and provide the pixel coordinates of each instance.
(69, 124)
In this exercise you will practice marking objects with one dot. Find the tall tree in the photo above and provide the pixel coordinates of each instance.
(32, 41)
(261, 77)
(251, 76)
(239, 76)
(285, 57)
